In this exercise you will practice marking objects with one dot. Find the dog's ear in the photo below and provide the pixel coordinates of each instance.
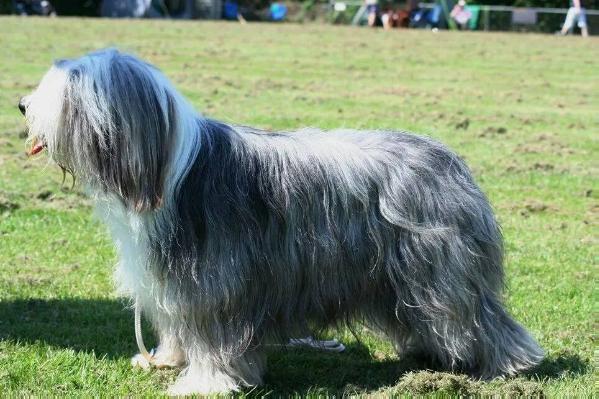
(120, 122)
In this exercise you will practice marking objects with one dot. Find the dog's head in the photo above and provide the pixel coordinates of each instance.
(109, 119)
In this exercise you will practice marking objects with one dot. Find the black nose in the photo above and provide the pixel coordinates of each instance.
(22, 106)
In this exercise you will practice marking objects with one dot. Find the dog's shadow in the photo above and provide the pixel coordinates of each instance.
(310, 372)
(100, 326)
(357, 372)
(105, 327)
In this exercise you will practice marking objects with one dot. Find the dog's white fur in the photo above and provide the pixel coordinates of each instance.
(135, 281)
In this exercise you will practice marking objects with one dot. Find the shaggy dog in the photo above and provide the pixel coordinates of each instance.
(230, 237)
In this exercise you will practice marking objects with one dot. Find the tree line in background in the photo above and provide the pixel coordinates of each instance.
(91, 7)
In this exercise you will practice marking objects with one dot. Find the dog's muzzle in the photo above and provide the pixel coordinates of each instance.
(37, 144)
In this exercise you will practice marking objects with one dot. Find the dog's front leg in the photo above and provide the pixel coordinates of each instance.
(168, 354)
(213, 369)
(202, 375)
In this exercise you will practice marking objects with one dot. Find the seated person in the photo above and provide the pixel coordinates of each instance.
(390, 19)
(397, 18)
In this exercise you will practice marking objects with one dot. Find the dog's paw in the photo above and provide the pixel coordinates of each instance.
(140, 361)
(168, 358)
(160, 360)
(203, 384)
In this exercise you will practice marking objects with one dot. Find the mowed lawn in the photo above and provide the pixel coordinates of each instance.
(523, 110)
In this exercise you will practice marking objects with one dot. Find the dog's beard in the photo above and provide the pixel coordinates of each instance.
(66, 170)
(37, 145)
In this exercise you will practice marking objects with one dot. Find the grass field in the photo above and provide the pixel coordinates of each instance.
(523, 110)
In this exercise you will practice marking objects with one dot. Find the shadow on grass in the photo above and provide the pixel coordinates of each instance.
(353, 371)
(559, 365)
(102, 326)
(105, 327)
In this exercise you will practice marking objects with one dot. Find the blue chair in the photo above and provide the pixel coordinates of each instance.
(231, 9)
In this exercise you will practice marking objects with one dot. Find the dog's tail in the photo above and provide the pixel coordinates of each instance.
(502, 346)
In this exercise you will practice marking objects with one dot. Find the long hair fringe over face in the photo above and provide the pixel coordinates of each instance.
(112, 122)
(233, 237)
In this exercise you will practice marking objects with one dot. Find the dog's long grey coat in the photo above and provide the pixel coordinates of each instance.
(281, 230)
(264, 235)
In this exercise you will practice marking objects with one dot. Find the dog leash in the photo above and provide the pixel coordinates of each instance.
(149, 356)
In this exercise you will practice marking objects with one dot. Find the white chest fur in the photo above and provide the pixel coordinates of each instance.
(129, 234)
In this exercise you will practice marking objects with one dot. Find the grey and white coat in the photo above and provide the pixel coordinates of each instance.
(233, 238)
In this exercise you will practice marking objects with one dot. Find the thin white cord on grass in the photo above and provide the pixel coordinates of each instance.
(330, 346)
(323, 345)
(138, 335)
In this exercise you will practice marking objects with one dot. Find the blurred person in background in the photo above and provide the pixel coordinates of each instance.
(372, 8)
(33, 7)
(577, 14)
(390, 19)
(460, 14)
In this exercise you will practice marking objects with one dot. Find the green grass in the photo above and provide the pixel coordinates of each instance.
(521, 109)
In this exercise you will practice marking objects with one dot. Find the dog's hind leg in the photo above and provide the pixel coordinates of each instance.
(391, 320)
(381, 317)
(451, 296)
(488, 345)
